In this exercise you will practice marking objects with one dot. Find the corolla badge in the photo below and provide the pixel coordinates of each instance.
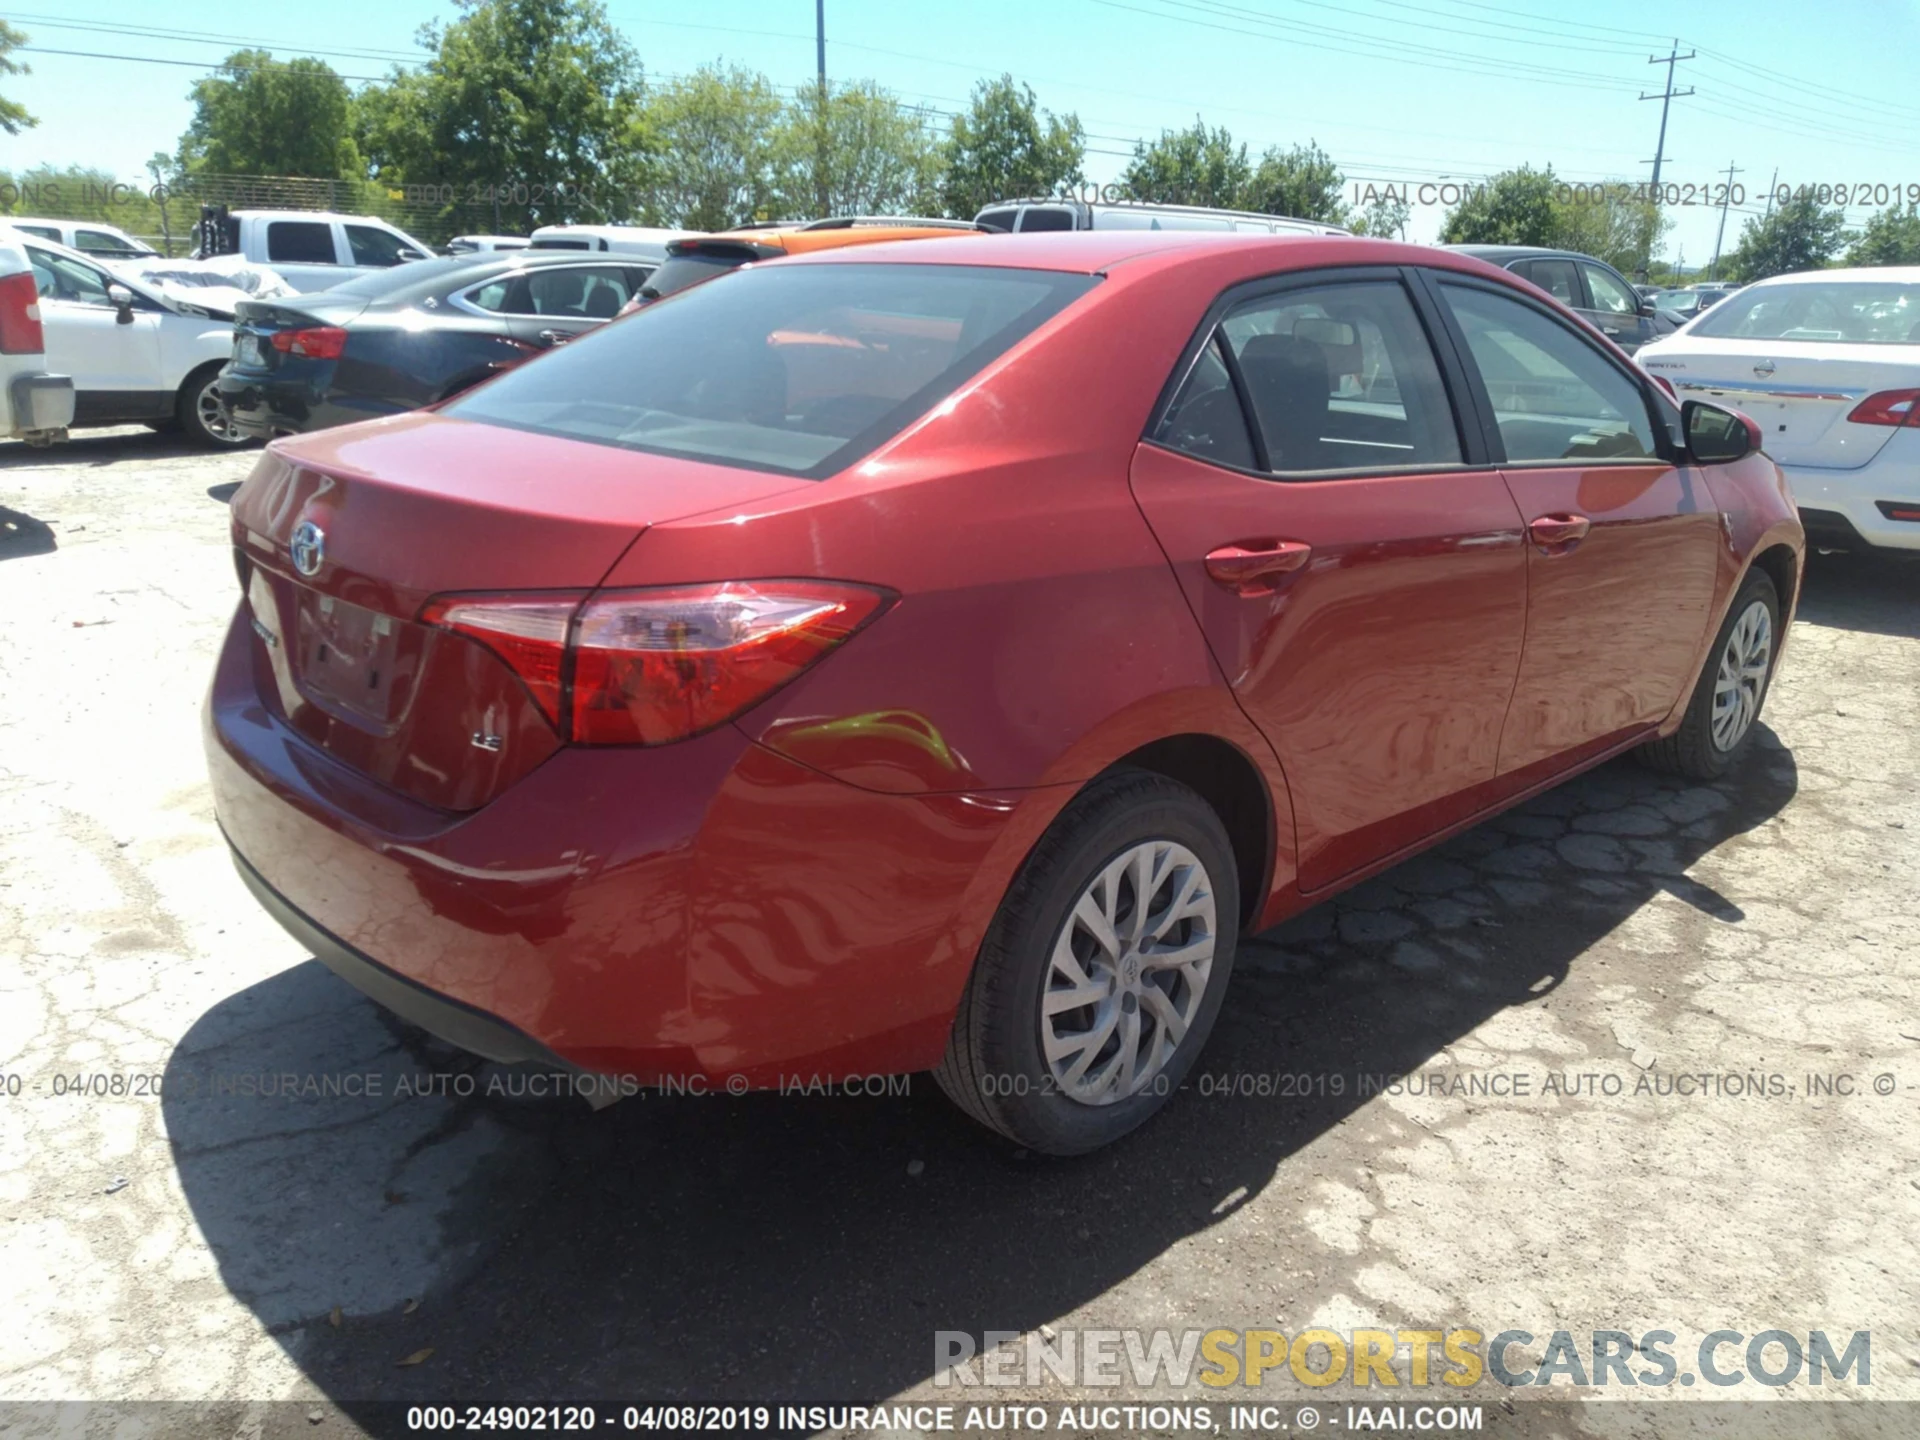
(308, 548)
(1763, 369)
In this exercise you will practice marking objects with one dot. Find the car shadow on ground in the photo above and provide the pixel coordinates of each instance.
(22, 535)
(781, 1248)
(136, 444)
(1853, 590)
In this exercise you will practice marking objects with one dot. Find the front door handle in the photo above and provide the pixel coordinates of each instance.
(1551, 532)
(1252, 566)
(551, 338)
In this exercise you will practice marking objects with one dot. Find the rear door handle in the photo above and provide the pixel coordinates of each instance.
(553, 337)
(1252, 566)
(1551, 531)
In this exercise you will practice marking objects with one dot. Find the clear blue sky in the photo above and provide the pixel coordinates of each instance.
(1396, 90)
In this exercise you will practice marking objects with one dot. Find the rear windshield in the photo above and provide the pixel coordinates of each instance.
(800, 369)
(1852, 312)
(677, 272)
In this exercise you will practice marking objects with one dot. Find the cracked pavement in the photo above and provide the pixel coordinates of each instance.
(1619, 933)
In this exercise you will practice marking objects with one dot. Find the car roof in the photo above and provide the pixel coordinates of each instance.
(802, 239)
(1520, 252)
(1884, 274)
(1089, 252)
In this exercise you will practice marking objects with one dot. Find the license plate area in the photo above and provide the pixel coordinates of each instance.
(350, 659)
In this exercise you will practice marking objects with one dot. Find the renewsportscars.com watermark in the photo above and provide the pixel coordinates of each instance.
(1458, 1357)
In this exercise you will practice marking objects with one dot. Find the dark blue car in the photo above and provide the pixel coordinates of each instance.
(410, 336)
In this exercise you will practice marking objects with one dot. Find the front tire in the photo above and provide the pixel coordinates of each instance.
(1102, 974)
(200, 416)
(1726, 701)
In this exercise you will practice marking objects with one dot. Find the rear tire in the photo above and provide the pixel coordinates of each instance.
(1725, 706)
(199, 414)
(1065, 1078)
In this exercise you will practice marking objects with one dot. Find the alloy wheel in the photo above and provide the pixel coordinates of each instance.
(1128, 973)
(1743, 675)
(207, 405)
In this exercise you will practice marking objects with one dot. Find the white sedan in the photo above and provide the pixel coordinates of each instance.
(1828, 364)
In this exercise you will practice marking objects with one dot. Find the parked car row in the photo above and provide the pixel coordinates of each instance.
(935, 655)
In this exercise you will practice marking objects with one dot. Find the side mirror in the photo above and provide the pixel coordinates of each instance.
(121, 298)
(1716, 436)
(1647, 307)
(407, 252)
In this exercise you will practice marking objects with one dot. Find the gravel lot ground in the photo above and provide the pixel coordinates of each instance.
(225, 1248)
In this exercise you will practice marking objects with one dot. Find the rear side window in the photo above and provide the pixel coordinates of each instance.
(1205, 419)
(1340, 377)
(1554, 397)
(1001, 220)
(300, 242)
(799, 369)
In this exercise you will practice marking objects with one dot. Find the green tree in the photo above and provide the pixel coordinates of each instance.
(1515, 207)
(528, 107)
(13, 116)
(258, 116)
(1302, 182)
(1891, 238)
(1004, 147)
(1614, 222)
(881, 157)
(712, 136)
(1385, 217)
(1798, 235)
(1195, 166)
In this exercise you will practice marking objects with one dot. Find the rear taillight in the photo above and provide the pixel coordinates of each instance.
(1666, 385)
(317, 342)
(648, 667)
(20, 332)
(1888, 407)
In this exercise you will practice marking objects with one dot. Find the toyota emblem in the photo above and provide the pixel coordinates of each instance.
(309, 548)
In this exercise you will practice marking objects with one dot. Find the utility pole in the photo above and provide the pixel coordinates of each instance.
(1666, 97)
(1713, 270)
(821, 197)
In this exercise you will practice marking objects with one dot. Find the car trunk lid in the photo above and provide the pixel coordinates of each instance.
(1800, 400)
(256, 322)
(344, 535)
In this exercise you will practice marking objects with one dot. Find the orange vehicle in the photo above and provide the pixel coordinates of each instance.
(701, 257)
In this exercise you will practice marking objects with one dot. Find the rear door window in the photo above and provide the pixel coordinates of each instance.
(1002, 220)
(1556, 277)
(1341, 377)
(1554, 397)
(301, 242)
(799, 369)
(577, 292)
(1046, 217)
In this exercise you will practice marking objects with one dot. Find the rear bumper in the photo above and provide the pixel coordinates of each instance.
(39, 404)
(707, 911)
(263, 407)
(1847, 509)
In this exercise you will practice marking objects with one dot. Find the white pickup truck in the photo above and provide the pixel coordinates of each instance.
(310, 249)
(35, 406)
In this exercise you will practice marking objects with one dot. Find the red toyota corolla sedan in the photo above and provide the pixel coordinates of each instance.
(937, 655)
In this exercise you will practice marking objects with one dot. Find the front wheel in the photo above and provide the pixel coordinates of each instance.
(1726, 700)
(1102, 974)
(199, 413)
